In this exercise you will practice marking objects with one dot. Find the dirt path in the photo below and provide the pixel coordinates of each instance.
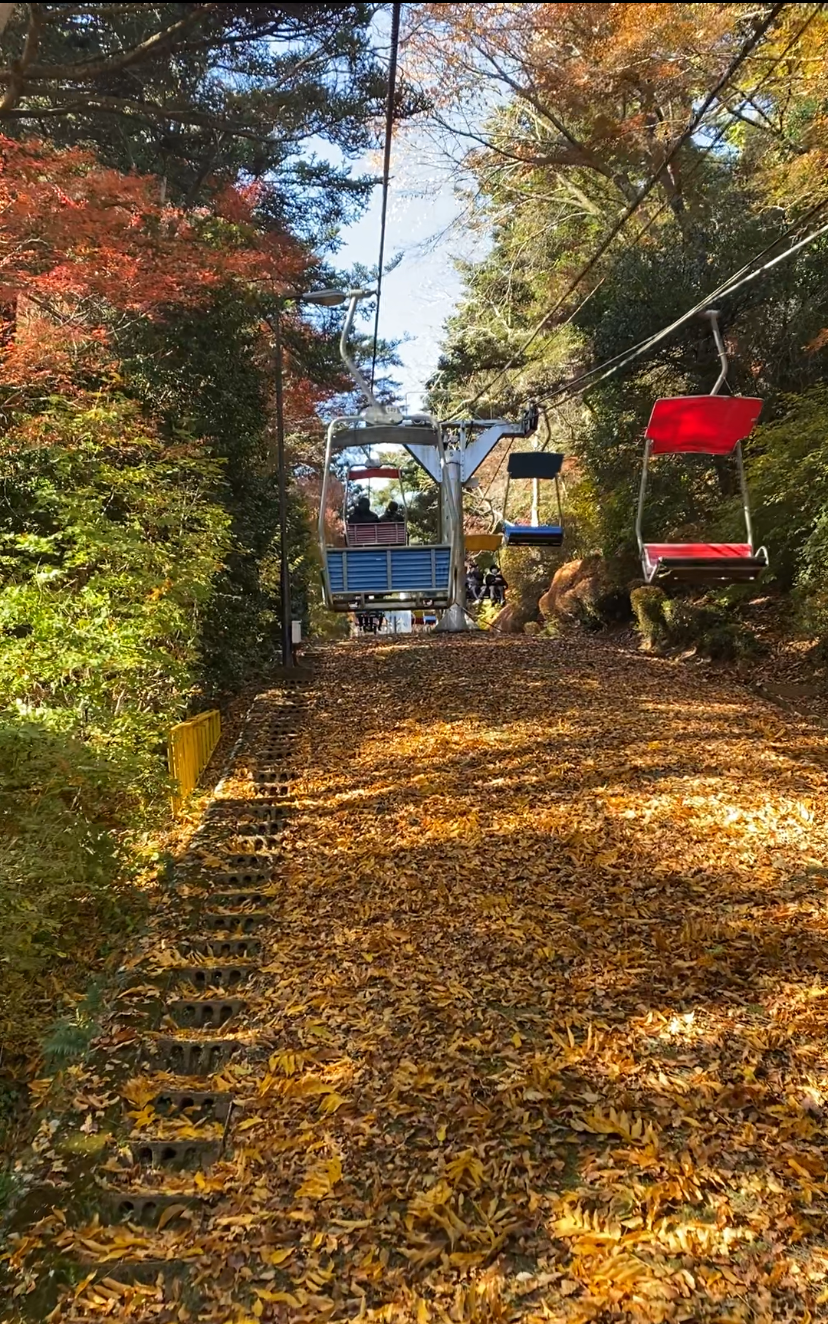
(538, 1026)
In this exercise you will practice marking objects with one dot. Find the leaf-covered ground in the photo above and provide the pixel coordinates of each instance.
(539, 1032)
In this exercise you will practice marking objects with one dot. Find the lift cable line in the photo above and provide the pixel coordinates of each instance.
(735, 282)
(585, 380)
(386, 165)
(643, 193)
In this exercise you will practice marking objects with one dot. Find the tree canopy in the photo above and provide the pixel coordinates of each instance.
(197, 92)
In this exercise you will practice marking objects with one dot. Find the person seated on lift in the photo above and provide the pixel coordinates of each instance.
(362, 513)
(392, 514)
(496, 586)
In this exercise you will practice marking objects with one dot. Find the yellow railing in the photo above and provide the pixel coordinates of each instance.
(189, 748)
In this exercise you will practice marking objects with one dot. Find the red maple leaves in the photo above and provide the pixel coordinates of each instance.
(79, 241)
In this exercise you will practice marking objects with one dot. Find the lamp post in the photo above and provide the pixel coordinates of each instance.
(324, 299)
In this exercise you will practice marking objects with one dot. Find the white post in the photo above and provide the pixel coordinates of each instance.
(535, 518)
(455, 618)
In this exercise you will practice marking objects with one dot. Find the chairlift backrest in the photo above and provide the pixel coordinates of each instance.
(362, 473)
(534, 464)
(701, 424)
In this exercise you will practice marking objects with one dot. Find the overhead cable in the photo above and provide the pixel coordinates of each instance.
(386, 166)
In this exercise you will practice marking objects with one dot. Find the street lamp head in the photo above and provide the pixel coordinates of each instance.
(326, 298)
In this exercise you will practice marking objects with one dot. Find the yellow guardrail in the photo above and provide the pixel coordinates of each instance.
(189, 747)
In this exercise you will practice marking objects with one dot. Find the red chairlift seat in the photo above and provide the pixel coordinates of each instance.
(708, 425)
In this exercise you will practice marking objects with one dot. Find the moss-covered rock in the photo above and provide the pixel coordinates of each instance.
(648, 604)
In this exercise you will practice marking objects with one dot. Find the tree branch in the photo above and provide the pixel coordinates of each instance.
(587, 157)
(141, 110)
(18, 68)
(91, 69)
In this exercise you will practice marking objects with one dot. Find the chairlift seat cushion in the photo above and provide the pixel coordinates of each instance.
(710, 561)
(658, 551)
(706, 424)
(533, 535)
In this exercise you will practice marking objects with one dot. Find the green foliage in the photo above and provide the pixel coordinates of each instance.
(528, 572)
(70, 1037)
(110, 541)
(486, 613)
(209, 371)
(788, 471)
(252, 85)
(423, 503)
(63, 862)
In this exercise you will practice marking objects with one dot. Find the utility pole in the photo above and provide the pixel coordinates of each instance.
(284, 578)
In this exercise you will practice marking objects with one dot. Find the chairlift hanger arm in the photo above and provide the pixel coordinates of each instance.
(375, 412)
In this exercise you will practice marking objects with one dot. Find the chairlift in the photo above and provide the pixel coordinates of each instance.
(483, 542)
(708, 425)
(539, 466)
(383, 533)
(379, 569)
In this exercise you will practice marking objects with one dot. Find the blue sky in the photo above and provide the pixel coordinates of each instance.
(421, 292)
(423, 207)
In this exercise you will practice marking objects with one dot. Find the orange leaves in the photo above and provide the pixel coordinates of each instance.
(75, 234)
(548, 1095)
(74, 229)
(320, 1181)
(617, 1123)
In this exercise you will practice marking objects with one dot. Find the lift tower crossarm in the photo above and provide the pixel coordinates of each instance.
(475, 452)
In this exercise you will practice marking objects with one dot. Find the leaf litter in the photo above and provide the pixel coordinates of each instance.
(539, 1026)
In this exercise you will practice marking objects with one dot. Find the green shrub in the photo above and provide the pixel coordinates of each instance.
(648, 608)
(208, 368)
(63, 865)
(527, 571)
(708, 627)
(711, 628)
(788, 477)
(110, 542)
(486, 613)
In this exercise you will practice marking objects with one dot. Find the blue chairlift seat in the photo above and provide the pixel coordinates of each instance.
(543, 466)
(533, 535)
(396, 576)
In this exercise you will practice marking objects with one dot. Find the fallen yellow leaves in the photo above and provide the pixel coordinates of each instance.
(540, 1023)
(320, 1181)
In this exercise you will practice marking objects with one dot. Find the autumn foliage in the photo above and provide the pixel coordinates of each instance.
(81, 243)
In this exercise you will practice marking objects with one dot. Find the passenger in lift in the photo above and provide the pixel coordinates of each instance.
(474, 583)
(362, 513)
(392, 514)
(496, 585)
